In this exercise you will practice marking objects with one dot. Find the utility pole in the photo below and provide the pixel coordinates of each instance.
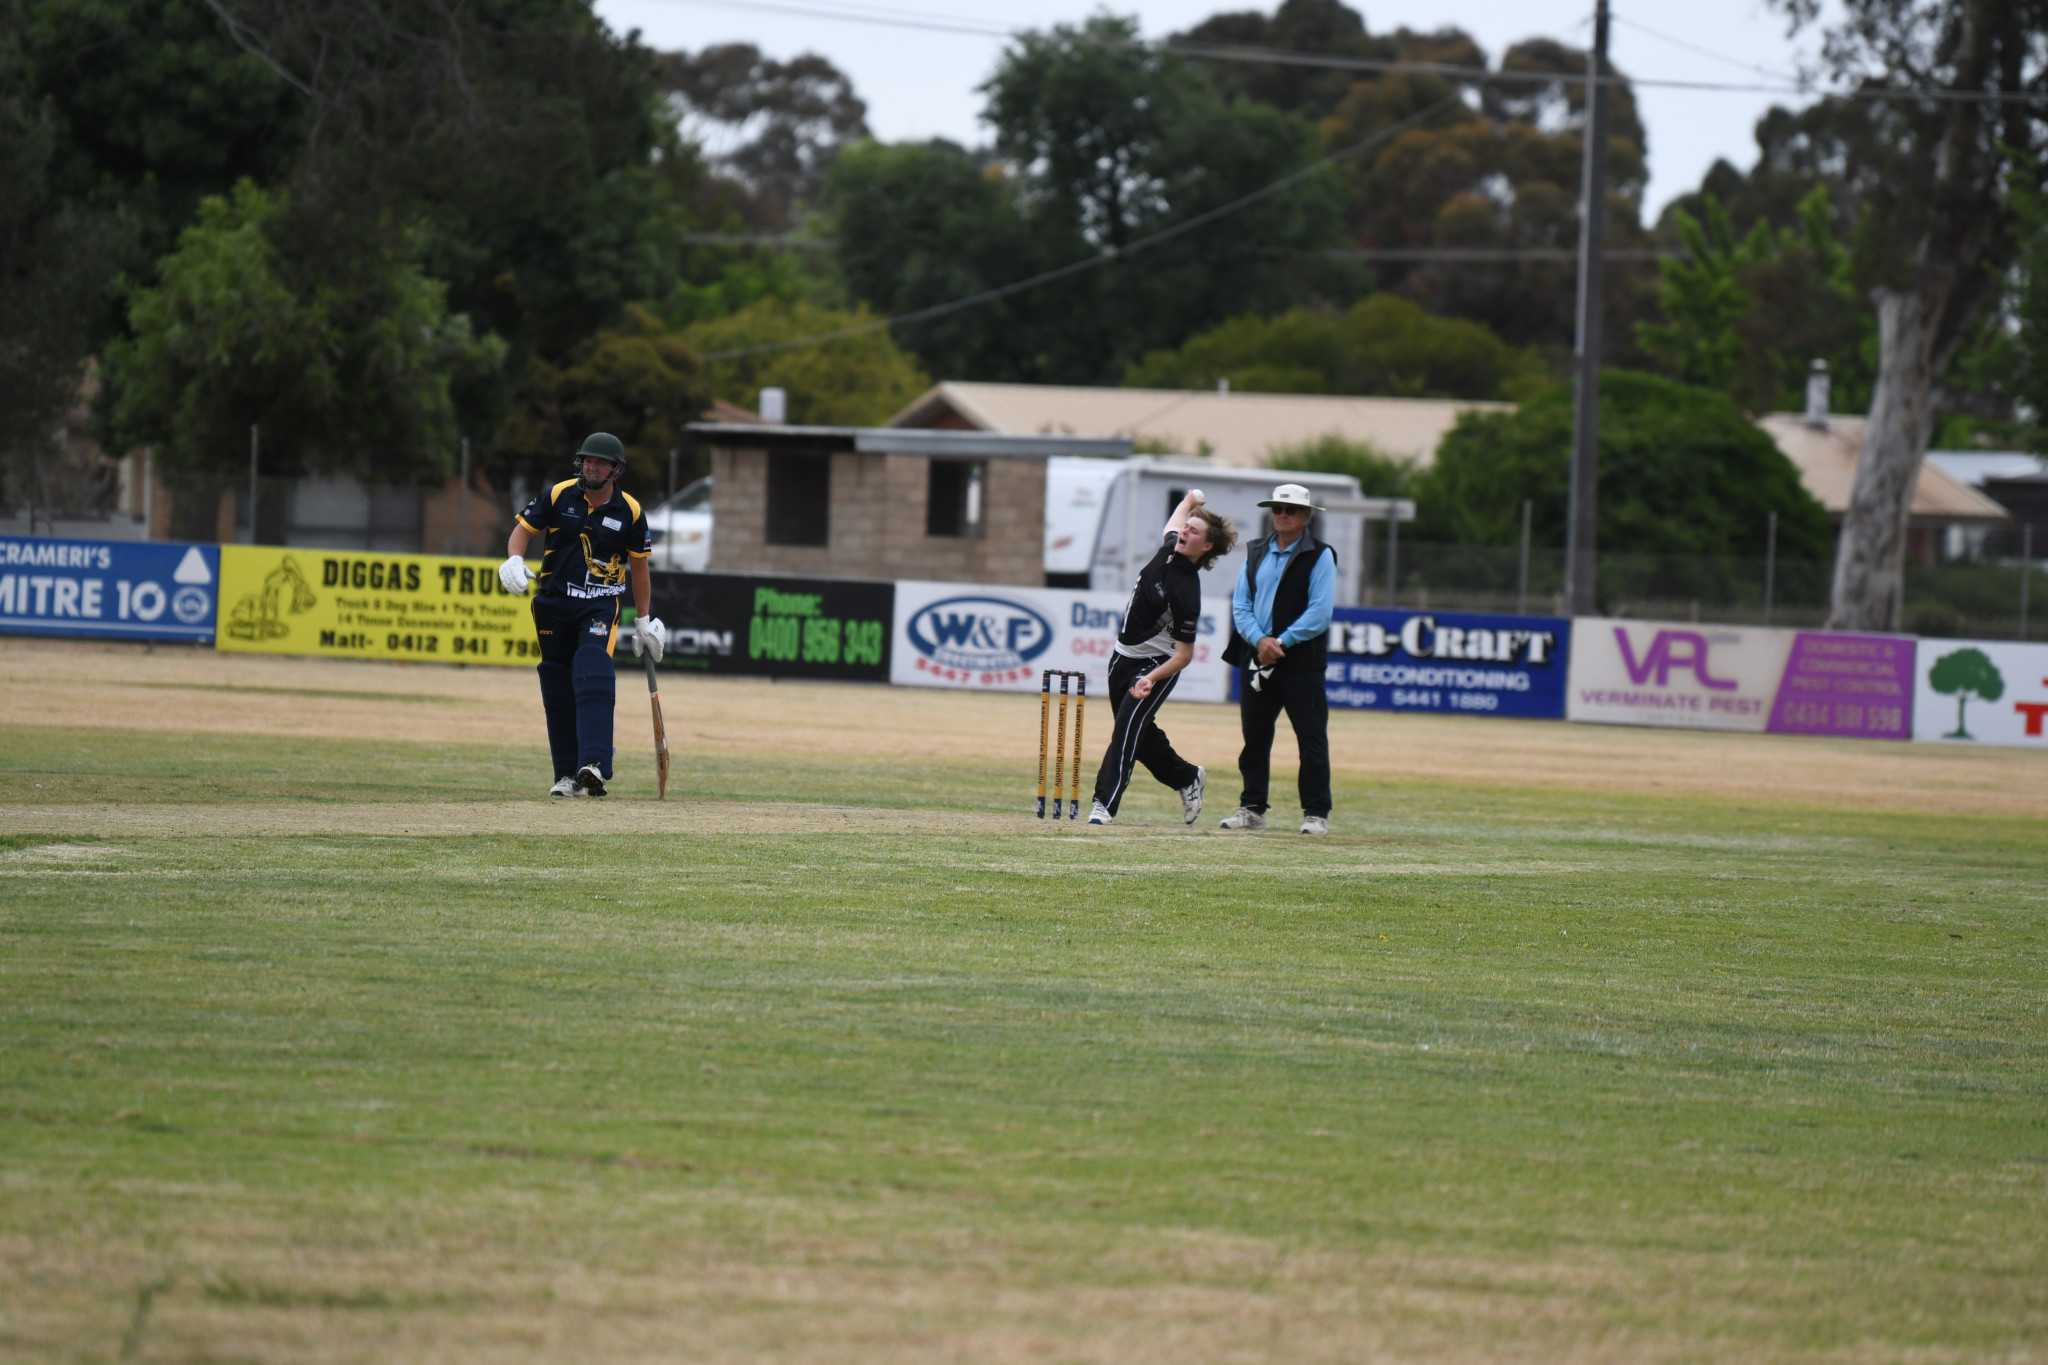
(1582, 522)
(255, 446)
(462, 536)
(1522, 576)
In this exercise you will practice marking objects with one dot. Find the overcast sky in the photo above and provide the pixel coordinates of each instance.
(920, 83)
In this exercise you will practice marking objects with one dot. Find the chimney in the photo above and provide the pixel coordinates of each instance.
(775, 405)
(1817, 395)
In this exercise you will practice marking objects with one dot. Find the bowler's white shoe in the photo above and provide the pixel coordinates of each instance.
(589, 780)
(1245, 819)
(1315, 824)
(566, 787)
(1100, 815)
(1191, 797)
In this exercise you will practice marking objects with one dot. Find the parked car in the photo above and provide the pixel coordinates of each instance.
(682, 529)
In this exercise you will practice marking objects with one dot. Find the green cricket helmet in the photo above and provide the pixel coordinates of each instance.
(600, 445)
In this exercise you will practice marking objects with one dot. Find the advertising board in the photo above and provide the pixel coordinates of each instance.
(1855, 686)
(776, 627)
(1981, 692)
(1691, 677)
(1464, 663)
(108, 589)
(353, 604)
(997, 639)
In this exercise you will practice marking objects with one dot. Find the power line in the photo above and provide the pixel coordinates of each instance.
(1145, 243)
(1707, 52)
(1231, 52)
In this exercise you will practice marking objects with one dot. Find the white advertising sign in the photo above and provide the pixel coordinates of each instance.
(982, 638)
(1690, 677)
(1981, 692)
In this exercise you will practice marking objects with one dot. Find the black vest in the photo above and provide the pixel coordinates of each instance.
(1290, 600)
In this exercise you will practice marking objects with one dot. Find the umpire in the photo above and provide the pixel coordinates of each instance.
(596, 541)
(1283, 601)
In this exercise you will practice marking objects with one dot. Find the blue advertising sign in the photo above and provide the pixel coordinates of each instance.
(109, 589)
(1461, 662)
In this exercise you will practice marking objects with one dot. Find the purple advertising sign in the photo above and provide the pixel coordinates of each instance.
(1860, 686)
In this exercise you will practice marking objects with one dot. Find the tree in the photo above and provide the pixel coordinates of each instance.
(1379, 474)
(55, 259)
(345, 369)
(1964, 674)
(855, 381)
(1381, 345)
(1681, 473)
(783, 123)
(1103, 141)
(1319, 26)
(1750, 313)
(1937, 237)
(638, 381)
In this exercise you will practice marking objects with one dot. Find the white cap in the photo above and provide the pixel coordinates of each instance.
(1291, 495)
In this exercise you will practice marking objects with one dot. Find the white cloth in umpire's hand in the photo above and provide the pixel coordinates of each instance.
(512, 573)
(650, 637)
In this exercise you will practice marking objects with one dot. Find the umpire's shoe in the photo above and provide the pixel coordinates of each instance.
(589, 780)
(1246, 818)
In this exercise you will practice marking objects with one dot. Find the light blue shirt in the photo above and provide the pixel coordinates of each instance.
(1254, 618)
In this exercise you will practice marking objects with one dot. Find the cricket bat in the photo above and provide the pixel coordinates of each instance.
(660, 732)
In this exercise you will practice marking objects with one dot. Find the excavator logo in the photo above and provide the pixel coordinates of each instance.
(256, 616)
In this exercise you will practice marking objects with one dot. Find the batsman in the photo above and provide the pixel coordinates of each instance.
(596, 541)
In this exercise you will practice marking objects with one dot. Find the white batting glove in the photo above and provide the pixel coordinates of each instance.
(651, 637)
(512, 573)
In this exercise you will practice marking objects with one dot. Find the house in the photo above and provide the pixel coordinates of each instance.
(1237, 429)
(1949, 519)
(883, 503)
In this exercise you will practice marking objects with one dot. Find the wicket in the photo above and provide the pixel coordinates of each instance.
(1060, 747)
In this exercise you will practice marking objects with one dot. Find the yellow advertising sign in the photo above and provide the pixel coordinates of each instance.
(355, 604)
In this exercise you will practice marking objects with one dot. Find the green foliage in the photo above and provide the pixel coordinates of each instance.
(1964, 674)
(1379, 474)
(856, 381)
(1702, 302)
(1381, 345)
(1681, 473)
(55, 259)
(1114, 140)
(347, 369)
(638, 381)
(2025, 364)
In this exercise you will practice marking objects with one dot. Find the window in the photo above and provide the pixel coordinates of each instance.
(799, 499)
(953, 499)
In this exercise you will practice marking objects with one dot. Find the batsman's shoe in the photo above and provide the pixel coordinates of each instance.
(589, 780)
(1246, 818)
(565, 787)
(1315, 824)
(1100, 815)
(1191, 797)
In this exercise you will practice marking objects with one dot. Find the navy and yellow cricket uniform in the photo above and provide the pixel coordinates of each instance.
(584, 570)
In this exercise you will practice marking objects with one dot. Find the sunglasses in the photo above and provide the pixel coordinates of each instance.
(1283, 510)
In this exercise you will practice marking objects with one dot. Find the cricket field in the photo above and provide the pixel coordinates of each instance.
(328, 1037)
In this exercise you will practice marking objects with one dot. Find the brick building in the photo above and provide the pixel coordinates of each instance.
(883, 503)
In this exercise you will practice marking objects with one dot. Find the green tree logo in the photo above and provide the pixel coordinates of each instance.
(1965, 674)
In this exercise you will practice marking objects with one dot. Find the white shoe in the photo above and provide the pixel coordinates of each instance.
(1100, 815)
(1245, 819)
(1191, 797)
(566, 787)
(1315, 824)
(589, 780)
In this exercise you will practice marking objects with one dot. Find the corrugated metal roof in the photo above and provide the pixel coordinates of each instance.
(1826, 458)
(1239, 429)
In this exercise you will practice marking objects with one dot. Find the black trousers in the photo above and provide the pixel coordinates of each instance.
(1301, 696)
(1137, 737)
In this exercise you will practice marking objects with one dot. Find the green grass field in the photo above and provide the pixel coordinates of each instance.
(1488, 1074)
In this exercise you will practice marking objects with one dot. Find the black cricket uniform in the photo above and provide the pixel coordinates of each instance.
(1164, 610)
(584, 570)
